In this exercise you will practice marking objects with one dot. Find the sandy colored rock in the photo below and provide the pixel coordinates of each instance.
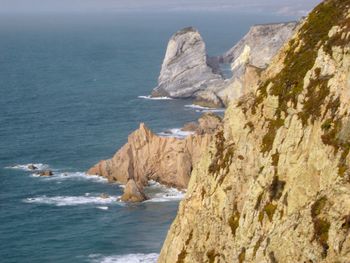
(274, 186)
(132, 193)
(167, 160)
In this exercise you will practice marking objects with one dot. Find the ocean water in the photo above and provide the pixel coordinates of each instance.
(70, 94)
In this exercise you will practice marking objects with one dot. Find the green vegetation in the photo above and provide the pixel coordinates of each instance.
(269, 137)
(276, 188)
(223, 156)
(270, 210)
(257, 245)
(181, 257)
(233, 221)
(241, 256)
(211, 254)
(288, 84)
(321, 225)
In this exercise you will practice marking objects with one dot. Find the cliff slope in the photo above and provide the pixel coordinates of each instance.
(275, 185)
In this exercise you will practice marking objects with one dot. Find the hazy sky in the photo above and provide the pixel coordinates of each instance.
(287, 7)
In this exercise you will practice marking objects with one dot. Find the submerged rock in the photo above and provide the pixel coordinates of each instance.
(133, 193)
(32, 167)
(45, 173)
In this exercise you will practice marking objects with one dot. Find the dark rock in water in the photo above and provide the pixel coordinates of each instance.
(133, 193)
(45, 173)
(32, 167)
(104, 196)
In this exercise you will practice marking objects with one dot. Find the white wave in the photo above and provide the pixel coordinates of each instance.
(103, 207)
(72, 200)
(25, 167)
(76, 176)
(177, 133)
(128, 258)
(204, 109)
(154, 98)
(161, 193)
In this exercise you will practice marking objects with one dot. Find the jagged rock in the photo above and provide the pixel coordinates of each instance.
(259, 45)
(104, 196)
(185, 69)
(32, 167)
(208, 98)
(167, 160)
(45, 173)
(132, 193)
(274, 186)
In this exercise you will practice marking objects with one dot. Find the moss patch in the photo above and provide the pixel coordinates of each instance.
(233, 221)
(321, 225)
(241, 256)
(270, 210)
(276, 188)
(182, 256)
(223, 156)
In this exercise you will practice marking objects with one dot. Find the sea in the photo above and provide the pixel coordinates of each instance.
(73, 86)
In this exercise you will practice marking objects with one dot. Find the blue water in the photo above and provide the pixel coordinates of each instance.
(69, 98)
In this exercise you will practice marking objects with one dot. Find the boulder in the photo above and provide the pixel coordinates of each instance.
(45, 173)
(32, 167)
(133, 193)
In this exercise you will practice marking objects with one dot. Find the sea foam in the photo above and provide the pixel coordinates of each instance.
(160, 193)
(154, 98)
(198, 108)
(176, 132)
(128, 258)
(24, 167)
(72, 200)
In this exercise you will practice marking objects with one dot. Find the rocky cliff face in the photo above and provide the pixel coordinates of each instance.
(275, 185)
(185, 69)
(188, 72)
(167, 160)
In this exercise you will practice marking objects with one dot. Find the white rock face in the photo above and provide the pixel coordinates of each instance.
(185, 69)
(260, 44)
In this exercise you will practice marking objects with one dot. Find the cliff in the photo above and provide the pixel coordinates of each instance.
(275, 184)
(167, 160)
(188, 72)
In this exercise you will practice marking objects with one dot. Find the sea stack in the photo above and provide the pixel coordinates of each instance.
(185, 69)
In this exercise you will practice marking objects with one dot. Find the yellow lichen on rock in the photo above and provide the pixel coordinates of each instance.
(275, 185)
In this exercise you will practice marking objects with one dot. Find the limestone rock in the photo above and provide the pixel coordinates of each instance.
(275, 184)
(185, 69)
(167, 160)
(132, 193)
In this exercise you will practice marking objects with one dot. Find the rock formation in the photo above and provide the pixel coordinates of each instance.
(132, 193)
(167, 160)
(185, 69)
(275, 184)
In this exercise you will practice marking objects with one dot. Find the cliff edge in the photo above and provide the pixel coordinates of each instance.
(275, 184)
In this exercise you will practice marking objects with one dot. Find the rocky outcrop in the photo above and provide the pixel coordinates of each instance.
(185, 69)
(167, 160)
(132, 193)
(275, 185)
